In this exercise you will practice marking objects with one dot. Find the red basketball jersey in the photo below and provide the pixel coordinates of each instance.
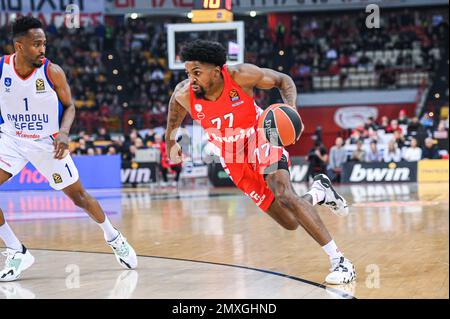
(230, 120)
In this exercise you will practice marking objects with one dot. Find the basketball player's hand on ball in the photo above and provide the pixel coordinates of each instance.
(61, 144)
(175, 154)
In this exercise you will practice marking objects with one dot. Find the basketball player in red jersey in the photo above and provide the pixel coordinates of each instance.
(220, 99)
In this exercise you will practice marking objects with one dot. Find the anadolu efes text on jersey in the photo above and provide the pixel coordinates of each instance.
(231, 120)
(29, 107)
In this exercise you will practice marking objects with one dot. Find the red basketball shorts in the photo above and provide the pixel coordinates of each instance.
(248, 172)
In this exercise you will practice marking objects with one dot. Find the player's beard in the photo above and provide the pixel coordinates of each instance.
(38, 63)
(200, 94)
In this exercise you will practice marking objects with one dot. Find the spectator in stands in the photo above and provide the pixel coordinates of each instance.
(413, 153)
(373, 155)
(393, 126)
(426, 121)
(430, 151)
(317, 159)
(90, 151)
(103, 135)
(384, 124)
(129, 154)
(414, 126)
(392, 153)
(441, 136)
(111, 151)
(372, 135)
(399, 138)
(150, 137)
(337, 158)
(358, 155)
(165, 164)
(82, 148)
(139, 143)
(417, 130)
(355, 137)
(370, 124)
(402, 118)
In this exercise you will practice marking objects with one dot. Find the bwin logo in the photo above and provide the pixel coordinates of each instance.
(360, 174)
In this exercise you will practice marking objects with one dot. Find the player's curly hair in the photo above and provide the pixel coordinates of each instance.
(22, 24)
(204, 51)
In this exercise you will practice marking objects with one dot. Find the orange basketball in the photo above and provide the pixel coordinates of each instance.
(281, 123)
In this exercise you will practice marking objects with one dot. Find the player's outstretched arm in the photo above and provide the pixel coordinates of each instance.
(250, 76)
(62, 89)
(175, 116)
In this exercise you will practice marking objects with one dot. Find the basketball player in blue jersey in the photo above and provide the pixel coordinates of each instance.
(36, 114)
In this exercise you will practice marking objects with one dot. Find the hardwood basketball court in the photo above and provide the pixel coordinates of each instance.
(200, 242)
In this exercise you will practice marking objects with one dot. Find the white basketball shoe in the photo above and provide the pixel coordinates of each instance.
(342, 271)
(16, 262)
(125, 254)
(335, 202)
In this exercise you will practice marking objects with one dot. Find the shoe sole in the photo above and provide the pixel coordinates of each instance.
(325, 181)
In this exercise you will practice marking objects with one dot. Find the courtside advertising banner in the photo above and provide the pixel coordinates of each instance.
(299, 169)
(355, 172)
(102, 171)
(433, 170)
(138, 173)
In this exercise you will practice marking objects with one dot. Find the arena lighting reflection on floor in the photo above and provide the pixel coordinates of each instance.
(375, 206)
(43, 205)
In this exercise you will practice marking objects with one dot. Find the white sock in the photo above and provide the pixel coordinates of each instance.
(332, 250)
(109, 231)
(317, 194)
(7, 235)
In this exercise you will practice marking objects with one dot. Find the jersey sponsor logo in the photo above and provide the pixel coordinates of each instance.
(231, 138)
(30, 122)
(234, 95)
(24, 135)
(40, 86)
(198, 107)
(201, 115)
(8, 82)
(57, 178)
(258, 199)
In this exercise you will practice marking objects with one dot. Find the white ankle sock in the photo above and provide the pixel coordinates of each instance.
(7, 235)
(317, 194)
(332, 250)
(109, 231)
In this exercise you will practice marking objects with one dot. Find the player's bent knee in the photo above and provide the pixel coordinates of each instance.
(287, 200)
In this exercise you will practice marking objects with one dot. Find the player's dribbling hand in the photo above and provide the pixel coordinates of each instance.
(61, 144)
(175, 154)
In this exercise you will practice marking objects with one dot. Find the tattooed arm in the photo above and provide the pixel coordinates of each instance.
(249, 76)
(178, 108)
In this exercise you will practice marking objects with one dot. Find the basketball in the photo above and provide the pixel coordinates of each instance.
(281, 124)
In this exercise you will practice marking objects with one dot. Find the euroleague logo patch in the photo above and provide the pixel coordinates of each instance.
(57, 178)
(234, 95)
(40, 86)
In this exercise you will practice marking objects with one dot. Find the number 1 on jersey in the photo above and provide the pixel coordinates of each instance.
(26, 104)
